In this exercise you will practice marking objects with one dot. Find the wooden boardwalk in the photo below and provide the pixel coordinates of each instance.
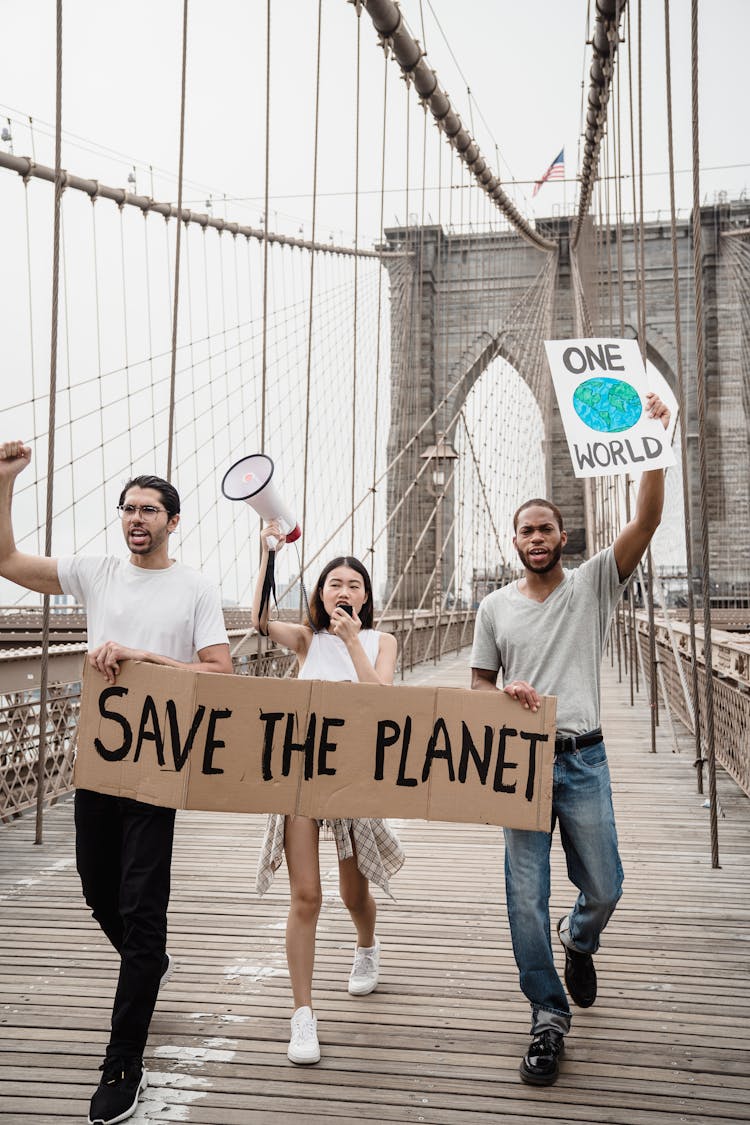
(440, 1041)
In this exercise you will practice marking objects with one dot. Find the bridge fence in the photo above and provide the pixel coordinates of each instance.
(731, 685)
(19, 742)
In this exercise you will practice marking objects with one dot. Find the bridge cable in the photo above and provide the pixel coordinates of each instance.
(227, 398)
(126, 364)
(69, 397)
(99, 374)
(176, 294)
(150, 330)
(434, 580)
(604, 41)
(480, 481)
(191, 393)
(264, 337)
(389, 23)
(638, 269)
(375, 444)
(653, 667)
(32, 363)
(624, 613)
(681, 398)
(44, 670)
(26, 168)
(311, 306)
(634, 641)
(701, 403)
(358, 8)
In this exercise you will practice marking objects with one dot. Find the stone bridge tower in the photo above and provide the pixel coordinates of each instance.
(445, 283)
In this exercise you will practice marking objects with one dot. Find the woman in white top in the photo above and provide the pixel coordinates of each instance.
(338, 643)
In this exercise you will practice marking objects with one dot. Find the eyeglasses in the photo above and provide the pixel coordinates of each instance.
(147, 511)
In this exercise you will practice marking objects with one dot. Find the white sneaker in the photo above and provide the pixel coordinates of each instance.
(303, 1045)
(365, 970)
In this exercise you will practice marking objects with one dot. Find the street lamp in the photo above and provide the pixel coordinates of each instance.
(440, 454)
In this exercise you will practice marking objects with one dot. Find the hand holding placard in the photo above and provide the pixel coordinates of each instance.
(602, 392)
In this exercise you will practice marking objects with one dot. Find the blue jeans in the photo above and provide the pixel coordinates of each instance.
(582, 804)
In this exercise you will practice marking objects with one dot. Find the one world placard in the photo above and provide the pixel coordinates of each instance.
(601, 387)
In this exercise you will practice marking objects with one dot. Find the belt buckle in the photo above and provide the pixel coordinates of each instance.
(566, 743)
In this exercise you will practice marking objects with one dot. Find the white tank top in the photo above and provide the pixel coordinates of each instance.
(328, 657)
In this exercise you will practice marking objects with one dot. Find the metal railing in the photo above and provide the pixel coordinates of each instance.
(731, 683)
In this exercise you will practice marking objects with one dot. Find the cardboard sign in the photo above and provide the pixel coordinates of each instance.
(192, 740)
(601, 388)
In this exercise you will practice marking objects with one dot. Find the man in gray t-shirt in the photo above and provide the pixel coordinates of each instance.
(546, 634)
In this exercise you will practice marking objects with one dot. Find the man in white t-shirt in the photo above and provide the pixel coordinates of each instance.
(546, 632)
(146, 607)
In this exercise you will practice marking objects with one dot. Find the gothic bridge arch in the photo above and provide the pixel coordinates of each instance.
(459, 301)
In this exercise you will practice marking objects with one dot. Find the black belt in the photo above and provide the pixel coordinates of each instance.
(564, 743)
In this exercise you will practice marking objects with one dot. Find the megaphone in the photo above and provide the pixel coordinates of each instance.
(249, 479)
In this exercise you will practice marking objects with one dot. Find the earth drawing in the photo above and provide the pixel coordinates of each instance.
(607, 405)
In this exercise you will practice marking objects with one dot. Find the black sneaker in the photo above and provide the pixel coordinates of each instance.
(119, 1089)
(167, 968)
(580, 974)
(540, 1066)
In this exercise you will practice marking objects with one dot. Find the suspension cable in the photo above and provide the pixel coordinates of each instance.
(356, 267)
(308, 375)
(652, 658)
(703, 459)
(176, 294)
(681, 399)
(376, 419)
(604, 42)
(44, 671)
(27, 168)
(390, 25)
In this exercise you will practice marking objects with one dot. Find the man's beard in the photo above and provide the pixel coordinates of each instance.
(148, 546)
(551, 563)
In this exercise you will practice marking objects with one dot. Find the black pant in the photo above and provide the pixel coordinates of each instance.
(123, 855)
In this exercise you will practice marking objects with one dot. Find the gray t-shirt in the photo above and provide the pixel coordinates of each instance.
(555, 645)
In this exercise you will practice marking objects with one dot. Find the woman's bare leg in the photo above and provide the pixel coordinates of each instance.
(301, 849)
(355, 894)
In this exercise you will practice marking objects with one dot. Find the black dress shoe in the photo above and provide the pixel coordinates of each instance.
(580, 974)
(540, 1065)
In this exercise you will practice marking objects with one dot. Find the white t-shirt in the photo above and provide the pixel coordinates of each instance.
(173, 612)
(555, 645)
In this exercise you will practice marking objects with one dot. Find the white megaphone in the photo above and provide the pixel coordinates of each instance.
(249, 479)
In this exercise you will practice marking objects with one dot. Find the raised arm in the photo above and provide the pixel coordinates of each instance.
(636, 535)
(294, 637)
(34, 572)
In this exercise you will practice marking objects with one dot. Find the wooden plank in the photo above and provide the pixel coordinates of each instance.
(441, 1039)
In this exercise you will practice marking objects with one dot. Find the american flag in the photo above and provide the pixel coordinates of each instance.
(556, 171)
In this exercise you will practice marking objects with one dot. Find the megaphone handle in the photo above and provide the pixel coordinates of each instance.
(272, 543)
(268, 591)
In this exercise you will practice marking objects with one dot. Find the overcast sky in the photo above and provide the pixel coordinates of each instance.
(524, 63)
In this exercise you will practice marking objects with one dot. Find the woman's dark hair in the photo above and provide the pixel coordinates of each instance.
(170, 497)
(319, 619)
